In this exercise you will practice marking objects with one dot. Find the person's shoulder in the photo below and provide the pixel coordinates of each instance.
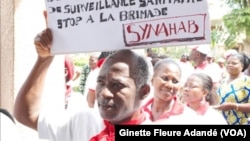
(94, 72)
(9, 130)
(86, 111)
(213, 116)
(247, 78)
(83, 116)
(213, 112)
(6, 113)
(77, 101)
(88, 116)
(244, 79)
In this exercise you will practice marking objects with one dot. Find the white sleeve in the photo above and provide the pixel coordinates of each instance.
(77, 101)
(93, 79)
(70, 126)
(213, 117)
(8, 129)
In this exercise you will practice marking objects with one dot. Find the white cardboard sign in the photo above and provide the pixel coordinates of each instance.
(103, 25)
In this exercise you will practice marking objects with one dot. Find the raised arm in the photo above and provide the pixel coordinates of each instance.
(28, 101)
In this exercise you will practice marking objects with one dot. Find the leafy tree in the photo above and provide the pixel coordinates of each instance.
(217, 35)
(237, 22)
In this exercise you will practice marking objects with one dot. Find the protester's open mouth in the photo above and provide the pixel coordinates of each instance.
(107, 107)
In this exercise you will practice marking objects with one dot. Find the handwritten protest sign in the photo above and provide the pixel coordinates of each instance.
(103, 25)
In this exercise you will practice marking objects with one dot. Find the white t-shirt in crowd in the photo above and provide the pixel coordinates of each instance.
(8, 129)
(70, 125)
(76, 101)
(211, 70)
(178, 114)
(213, 117)
(188, 117)
(91, 83)
(186, 70)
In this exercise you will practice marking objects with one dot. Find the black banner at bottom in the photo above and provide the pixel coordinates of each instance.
(163, 132)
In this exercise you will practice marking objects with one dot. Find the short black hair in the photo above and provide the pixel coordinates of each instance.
(140, 72)
(166, 61)
(244, 59)
(105, 54)
(139, 68)
(207, 83)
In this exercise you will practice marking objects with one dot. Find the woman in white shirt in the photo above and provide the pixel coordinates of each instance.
(199, 95)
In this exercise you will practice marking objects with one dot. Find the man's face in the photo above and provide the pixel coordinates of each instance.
(193, 55)
(183, 58)
(93, 62)
(150, 53)
(116, 90)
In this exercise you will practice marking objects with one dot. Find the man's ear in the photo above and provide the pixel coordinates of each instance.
(45, 14)
(144, 91)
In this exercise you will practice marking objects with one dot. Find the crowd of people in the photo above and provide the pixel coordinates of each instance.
(126, 88)
(123, 82)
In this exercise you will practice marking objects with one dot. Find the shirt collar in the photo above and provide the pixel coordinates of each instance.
(108, 134)
(202, 65)
(177, 108)
(203, 108)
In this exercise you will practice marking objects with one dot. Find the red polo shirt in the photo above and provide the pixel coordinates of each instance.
(108, 134)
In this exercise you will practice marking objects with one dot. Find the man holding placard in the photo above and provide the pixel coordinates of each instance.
(122, 84)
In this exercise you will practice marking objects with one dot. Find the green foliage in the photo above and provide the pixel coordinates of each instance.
(80, 59)
(235, 4)
(237, 21)
(231, 41)
(217, 35)
(173, 52)
(76, 88)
